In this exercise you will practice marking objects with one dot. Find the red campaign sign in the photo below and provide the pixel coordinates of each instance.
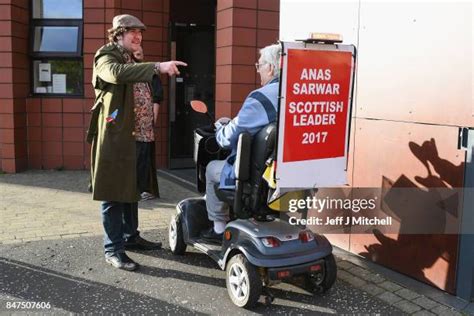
(317, 101)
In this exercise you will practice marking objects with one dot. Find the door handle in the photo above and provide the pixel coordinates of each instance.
(463, 139)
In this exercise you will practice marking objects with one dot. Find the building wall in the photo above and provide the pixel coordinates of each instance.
(56, 126)
(413, 91)
(243, 27)
(49, 132)
(14, 74)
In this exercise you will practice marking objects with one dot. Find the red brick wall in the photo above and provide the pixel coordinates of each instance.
(243, 27)
(14, 69)
(48, 132)
(57, 126)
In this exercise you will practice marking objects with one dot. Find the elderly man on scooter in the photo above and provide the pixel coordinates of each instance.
(259, 109)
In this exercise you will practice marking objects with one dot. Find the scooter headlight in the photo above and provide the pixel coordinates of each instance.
(270, 242)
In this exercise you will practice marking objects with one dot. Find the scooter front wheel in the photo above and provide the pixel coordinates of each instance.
(243, 282)
(175, 237)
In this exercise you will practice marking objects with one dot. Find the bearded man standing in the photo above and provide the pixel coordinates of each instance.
(112, 135)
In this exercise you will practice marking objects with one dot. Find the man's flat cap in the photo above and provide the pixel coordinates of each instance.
(127, 21)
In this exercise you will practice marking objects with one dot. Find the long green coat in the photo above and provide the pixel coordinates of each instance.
(113, 154)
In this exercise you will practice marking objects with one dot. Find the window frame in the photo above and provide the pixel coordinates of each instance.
(49, 22)
(51, 94)
(57, 55)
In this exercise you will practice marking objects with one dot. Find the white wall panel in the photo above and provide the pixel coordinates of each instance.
(415, 62)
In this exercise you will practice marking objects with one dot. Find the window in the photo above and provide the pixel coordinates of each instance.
(55, 39)
(57, 9)
(56, 47)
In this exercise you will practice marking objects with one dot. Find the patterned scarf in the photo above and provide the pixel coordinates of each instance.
(143, 105)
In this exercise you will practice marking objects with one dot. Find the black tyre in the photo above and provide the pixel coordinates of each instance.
(244, 285)
(175, 236)
(330, 273)
(322, 283)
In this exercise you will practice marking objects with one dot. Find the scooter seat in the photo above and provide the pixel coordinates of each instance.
(249, 197)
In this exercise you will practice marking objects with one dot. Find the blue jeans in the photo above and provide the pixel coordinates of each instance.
(120, 222)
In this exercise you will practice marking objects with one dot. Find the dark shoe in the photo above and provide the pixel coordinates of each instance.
(142, 244)
(145, 196)
(212, 236)
(120, 260)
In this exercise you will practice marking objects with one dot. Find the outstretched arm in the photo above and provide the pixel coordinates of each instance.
(109, 69)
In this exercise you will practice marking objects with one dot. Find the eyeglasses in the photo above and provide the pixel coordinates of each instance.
(257, 65)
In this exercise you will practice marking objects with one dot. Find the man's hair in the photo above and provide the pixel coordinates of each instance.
(271, 55)
(114, 33)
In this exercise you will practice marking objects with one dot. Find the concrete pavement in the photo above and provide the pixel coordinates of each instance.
(51, 252)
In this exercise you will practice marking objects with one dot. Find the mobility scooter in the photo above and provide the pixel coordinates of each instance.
(258, 249)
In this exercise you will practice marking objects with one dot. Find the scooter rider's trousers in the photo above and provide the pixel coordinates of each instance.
(216, 209)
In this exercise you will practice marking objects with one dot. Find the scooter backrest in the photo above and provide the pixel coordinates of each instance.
(242, 161)
(263, 146)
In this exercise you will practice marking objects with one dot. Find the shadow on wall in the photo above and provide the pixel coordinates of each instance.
(430, 204)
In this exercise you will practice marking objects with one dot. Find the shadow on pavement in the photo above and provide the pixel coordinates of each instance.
(299, 298)
(195, 259)
(173, 285)
(201, 260)
(180, 275)
(72, 181)
(77, 295)
(77, 181)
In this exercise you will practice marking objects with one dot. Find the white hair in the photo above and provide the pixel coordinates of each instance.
(271, 55)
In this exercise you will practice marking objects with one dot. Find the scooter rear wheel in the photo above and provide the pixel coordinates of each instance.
(317, 285)
(243, 282)
(175, 237)
(331, 273)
